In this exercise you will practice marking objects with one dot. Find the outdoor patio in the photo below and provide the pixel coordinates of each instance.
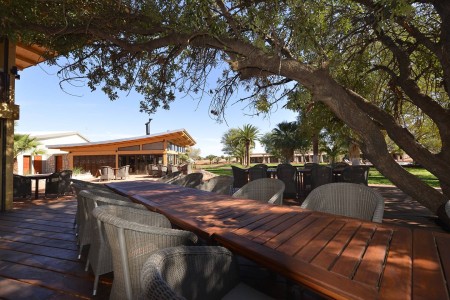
(39, 253)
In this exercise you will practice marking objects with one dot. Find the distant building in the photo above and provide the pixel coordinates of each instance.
(138, 152)
(54, 159)
(267, 158)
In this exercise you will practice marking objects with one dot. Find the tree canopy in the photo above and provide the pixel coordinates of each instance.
(381, 66)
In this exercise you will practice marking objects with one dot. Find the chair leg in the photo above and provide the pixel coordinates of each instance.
(87, 265)
(94, 292)
(79, 253)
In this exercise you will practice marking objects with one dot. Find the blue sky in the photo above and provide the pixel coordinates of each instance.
(44, 106)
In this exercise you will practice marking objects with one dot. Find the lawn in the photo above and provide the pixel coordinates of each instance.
(375, 177)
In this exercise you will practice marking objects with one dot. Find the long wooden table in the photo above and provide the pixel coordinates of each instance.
(339, 257)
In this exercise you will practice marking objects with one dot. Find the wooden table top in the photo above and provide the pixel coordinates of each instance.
(339, 257)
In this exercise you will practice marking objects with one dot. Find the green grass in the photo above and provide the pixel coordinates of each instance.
(375, 177)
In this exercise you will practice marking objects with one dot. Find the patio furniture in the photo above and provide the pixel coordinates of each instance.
(321, 175)
(287, 173)
(133, 235)
(356, 174)
(190, 180)
(123, 172)
(347, 199)
(100, 257)
(64, 184)
(152, 170)
(53, 184)
(21, 186)
(106, 173)
(221, 184)
(240, 177)
(202, 272)
(266, 190)
(162, 170)
(257, 173)
(307, 184)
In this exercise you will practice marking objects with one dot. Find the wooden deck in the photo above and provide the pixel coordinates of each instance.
(38, 251)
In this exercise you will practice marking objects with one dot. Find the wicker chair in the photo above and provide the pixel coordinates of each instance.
(106, 173)
(307, 181)
(190, 180)
(100, 257)
(221, 184)
(347, 199)
(257, 173)
(52, 185)
(203, 272)
(84, 218)
(123, 172)
(66, 180)
(321, 175)
(240, 177)
(266, 190)
(133, 235)
(288, 173)
(356, 174)
(21, 186)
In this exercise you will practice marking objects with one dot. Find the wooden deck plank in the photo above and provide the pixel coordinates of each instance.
(443, 244)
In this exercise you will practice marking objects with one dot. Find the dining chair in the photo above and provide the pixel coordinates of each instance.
(356, 174)
(100, 257)
(190, 180)
(257, 173)
(240, 177)
(133, 235)
(321, 175)
(266, 190)
(21, 186)
(52, 185)
(123, 172)
(221, 184)
(288, 174)
(106, 173)
(347, 199)
(201, 272)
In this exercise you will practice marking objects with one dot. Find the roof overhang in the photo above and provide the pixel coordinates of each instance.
(179, 137)
(29, 55)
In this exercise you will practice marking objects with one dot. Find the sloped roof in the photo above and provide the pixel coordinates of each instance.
(179, 137)
(44, 135)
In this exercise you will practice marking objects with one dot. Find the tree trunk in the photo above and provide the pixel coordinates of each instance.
(315, 144)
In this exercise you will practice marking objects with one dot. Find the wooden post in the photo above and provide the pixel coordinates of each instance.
(8, 113)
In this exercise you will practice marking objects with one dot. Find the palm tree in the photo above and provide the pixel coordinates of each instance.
(247, 136)
(23, 143)
(286, 138)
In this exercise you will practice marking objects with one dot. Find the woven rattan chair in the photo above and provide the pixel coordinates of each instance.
(84, 217)
(266, 190)
(321, 175)
(203, 272)
(288, 173)
(100, 257)
(52, 185)
(240, 177)
(133, 235)
(355, 174)
(123, 172)
(257, 173)
(190, 180)
(221, 184)
(106, 173)
(21, 186)
(347, 199)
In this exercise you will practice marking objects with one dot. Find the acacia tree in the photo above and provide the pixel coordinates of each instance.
(367, 60)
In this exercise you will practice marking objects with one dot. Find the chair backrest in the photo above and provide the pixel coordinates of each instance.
(266, 190)
(202, 272)
(339, 164)
(52, 183)
(133, 235)
(66, 179)
(190, 180)
(106, 173)
(347, 199)
(257, 173)
(21, 186)
(221, 184)
(240, 177)
(310, 165)
(288, 174)
(355, 174)
(123, 172)
(321, 175)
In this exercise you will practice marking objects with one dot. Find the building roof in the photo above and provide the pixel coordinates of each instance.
(45, 135)
(179, 136)
(27, 56)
